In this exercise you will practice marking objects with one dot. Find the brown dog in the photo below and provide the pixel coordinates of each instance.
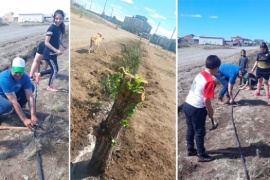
(95, 42)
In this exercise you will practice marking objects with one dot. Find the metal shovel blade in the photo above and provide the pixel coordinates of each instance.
(214, 125)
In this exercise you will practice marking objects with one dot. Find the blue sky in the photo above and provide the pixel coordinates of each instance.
(161, 11)
(225, 18)
(33, 6)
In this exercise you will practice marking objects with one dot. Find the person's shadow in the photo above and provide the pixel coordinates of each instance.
(252, 102)
(82, 51)
(259, 149)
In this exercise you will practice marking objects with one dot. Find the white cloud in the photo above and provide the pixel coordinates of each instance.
(213, 17)
(150, 10)
(191, 15)
(154, 14)
(128, 1)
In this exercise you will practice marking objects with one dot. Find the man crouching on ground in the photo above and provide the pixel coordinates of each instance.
(198, 105)
(16, 90)
(227, 75)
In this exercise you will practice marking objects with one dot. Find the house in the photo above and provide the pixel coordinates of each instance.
(8, 17)
(31, 18)
(188, 38)
(48, 17)
(211, 40)
(137, 25)
(237, 40)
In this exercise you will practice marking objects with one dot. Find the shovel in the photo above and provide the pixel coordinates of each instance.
(214, 125)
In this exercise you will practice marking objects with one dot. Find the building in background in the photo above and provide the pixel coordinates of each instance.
(137, 25)
(211, 40)
(31, 18)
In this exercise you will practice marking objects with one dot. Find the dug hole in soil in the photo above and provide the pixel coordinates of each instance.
(251, 116)
(145, 150)
(16, 158)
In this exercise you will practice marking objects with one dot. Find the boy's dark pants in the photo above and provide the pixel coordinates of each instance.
(195, 119)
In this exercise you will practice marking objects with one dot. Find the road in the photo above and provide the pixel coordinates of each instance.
(194, 55)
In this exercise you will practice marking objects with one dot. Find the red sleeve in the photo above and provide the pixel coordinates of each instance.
(209, 89)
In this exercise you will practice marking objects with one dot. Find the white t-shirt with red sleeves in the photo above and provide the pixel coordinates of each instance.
(202, 87)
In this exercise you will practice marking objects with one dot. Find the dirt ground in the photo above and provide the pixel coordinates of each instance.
(251, 115)
(147, 149)
(52, 112)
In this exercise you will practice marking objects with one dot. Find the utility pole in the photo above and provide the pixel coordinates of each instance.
(112, 12)
(173, 32)
(155, 33)
(90, 5)
(104, 9)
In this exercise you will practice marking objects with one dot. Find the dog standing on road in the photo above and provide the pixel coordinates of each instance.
(95, 42)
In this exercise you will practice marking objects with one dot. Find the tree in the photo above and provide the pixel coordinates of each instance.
(131, 92)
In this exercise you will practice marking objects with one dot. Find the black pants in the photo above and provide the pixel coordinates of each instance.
(195, 119)
(53, 69)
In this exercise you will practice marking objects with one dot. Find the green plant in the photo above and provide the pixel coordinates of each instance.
(141, 105)
(131, 109)
(125, 123)
(130, 58)
(114, 142)
(111, 84)
(136, 85)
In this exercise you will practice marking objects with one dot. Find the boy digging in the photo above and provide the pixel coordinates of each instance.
(198, 105)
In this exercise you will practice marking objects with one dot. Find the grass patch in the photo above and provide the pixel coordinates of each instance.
(130, 58)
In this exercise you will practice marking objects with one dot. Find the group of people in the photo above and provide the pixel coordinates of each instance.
(198, 105)
(16, 88)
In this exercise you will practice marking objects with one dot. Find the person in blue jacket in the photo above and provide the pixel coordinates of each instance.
(227, 75)
(16, 90)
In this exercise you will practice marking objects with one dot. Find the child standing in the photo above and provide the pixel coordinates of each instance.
(263, 70)
(198, 105)
(51, 50)
(243, 63)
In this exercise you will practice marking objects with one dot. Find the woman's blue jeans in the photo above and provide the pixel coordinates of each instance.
(224, 81)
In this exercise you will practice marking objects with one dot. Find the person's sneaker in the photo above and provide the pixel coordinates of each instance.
(257, 93)
(37, 76)
(192, 152)
(204, 158)
(50, 88)
(267, 96)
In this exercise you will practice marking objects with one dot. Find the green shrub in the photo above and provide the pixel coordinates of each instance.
(130, 58)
